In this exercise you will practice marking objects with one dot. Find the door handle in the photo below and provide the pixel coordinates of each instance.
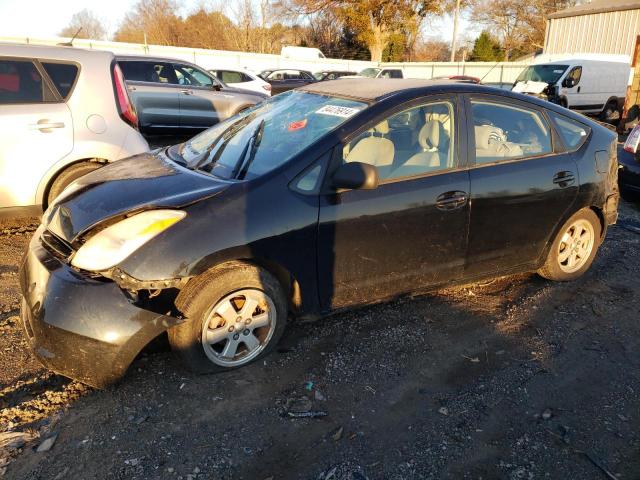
(46, 126)
(186, 92)
(579, 89)
(564, 179)
(451, 200)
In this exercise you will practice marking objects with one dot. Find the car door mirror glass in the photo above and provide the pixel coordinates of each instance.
(355, 175)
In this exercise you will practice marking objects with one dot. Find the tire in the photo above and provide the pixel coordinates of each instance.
(610, 112)
(216, 291)
(558, 263)
(67, 176)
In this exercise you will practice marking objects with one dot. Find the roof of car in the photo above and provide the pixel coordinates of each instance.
(50, 51)
(151, 59)
(373, 89)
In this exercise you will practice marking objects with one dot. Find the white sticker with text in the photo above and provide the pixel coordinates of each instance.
(337, 111)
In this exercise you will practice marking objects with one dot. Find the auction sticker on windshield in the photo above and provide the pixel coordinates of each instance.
(337, 111)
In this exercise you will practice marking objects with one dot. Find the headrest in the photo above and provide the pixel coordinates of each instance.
(382, 127)
(429, 136)
(487, 135)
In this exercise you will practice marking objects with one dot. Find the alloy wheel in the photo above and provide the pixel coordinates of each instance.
(239, 327)
(576, 246)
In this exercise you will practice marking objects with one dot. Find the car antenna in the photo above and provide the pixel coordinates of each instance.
(490, 70)
(70, 42)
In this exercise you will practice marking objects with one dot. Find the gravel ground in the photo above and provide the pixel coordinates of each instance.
(519, 378)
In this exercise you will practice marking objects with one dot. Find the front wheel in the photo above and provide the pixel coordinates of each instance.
(574, 248)
(235, 314)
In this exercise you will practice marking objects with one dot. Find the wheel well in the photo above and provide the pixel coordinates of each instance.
(45, 193)
(288, 283)
(600, 214)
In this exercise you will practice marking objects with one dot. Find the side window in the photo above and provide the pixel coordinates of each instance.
(575, 74)
(292, 75)
(412, 142)
(188, 75)
(20, 82)
(231, 77)
(151, 72)
(246, 78)
(505, 132)
(395, 74)
(277, 75)
(63, 76)
(573, 133)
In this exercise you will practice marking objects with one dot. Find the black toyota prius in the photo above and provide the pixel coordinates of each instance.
(335, 195)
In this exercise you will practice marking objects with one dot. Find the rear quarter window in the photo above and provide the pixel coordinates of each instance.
(63, 76)
(573, 133)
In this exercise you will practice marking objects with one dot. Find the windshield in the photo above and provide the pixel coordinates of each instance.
(267, 135)
(319, 75)
(370, 72)
(543, 73)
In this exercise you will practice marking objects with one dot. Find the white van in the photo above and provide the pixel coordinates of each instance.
(591, 84)
(301, 53)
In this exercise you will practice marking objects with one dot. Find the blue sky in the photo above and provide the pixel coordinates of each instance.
(38, 18)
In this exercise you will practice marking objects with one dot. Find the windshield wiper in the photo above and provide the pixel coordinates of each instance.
(242, 166)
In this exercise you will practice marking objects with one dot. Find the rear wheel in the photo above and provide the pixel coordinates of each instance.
(235, 314)
(574, 248)
(67, 176)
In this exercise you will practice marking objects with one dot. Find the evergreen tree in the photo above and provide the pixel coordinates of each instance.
(486, 49)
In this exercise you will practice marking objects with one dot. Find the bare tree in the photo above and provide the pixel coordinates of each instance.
(85, 24)
(159, 20)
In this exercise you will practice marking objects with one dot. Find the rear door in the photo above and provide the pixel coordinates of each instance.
(154, 90)
(522, 184)
(36, 129)
(202, 103)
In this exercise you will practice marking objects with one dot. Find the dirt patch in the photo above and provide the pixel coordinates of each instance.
(517, 378)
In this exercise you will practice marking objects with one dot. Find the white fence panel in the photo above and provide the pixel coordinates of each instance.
(503, 73)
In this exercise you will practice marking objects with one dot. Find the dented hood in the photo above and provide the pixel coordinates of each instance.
(530, 87)
(145, 181)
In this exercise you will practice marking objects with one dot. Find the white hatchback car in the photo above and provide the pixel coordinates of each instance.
(64, 112)
(242, 79)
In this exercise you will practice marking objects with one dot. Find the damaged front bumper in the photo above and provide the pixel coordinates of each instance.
(84, 328)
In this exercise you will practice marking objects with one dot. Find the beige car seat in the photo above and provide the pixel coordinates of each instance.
(491, 143)
(376, 151)
(430, 137)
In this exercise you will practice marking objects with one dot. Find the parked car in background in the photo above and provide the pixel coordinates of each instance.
(301, 53)
(380, 187)
(373, 72)
(458, 78)
(63, 112)
(331, 74)
(242, 79)
(172, 95)
(595, 86)
(629, 172)
(285, 79)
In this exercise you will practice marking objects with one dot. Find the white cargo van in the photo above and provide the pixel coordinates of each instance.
(595, 84)
(301, 53)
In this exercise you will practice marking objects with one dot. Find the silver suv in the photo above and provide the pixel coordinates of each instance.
(64, 111)
(172, 94)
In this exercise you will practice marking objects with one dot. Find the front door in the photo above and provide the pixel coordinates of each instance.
(411, 231)
(36, 131)
(521, 186)
(202, 103)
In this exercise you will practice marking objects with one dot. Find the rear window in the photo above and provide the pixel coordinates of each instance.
(573, 133)
(63, 76)
(21, 82)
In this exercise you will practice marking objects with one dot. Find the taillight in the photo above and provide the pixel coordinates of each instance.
(267, 87)
(125, 107)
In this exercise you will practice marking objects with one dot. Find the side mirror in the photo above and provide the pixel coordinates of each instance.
(569, 82)
(216, 86)
(356, 175)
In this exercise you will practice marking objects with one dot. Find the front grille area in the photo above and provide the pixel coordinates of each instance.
(56, 245)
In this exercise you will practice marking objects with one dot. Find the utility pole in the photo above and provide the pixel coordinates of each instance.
(454, 40)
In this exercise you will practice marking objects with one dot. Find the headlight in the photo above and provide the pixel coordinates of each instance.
(115, 243)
